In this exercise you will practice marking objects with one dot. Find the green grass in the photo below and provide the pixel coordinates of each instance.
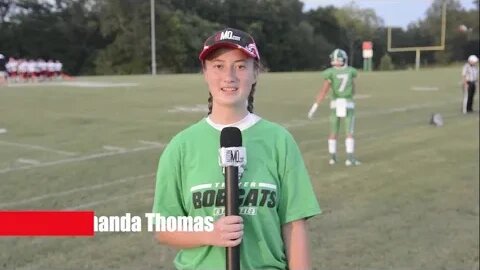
(412, 204)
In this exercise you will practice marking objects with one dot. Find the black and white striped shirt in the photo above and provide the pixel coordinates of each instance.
(470, 73)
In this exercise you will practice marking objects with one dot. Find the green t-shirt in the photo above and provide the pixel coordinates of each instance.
(275, 189)
(341, 80)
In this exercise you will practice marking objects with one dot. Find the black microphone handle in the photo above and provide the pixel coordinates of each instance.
(231, 208)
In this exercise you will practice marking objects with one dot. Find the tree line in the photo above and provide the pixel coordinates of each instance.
(113, 36)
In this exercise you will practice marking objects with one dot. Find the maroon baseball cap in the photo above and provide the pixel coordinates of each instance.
(231, 38)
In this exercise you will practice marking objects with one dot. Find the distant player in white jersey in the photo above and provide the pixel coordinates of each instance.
(23, 70)
(32, 70)
(12, 69)
(42, 69)
(50, 69)
(58, 66)
(339, 78)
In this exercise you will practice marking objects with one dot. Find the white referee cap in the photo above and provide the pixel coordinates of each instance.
(473, 59)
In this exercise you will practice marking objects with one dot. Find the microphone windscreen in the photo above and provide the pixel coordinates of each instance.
(230, 137)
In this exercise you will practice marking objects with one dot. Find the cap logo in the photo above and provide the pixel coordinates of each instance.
(228, 35)
(253, 49)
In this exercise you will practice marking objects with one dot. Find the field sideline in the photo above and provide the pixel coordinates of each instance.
(94, 144)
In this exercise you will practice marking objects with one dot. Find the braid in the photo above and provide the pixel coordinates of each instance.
(210, 103)
(250, 98)
(258, 67)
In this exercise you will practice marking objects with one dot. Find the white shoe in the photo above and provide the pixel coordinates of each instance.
(352, 162)
(332, 161)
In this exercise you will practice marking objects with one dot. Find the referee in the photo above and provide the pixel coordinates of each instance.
(470, 80)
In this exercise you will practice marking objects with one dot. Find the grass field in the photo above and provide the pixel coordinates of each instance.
(412, 204)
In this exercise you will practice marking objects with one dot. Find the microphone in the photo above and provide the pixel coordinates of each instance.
(232, 158)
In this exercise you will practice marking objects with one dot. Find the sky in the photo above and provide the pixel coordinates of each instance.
(395, 13)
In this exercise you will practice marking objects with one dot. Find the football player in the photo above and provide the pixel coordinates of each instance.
(339, 78)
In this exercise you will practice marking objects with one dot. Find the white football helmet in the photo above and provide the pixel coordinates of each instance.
(338, 57)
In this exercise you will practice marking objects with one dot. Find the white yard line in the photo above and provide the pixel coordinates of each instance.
(189, 109)
(38, 147)
(151, 143)
(113, 148)
(424, 88)
(28, 161)
(74, 190)
(362, 96)
(116, 119)
(78, 159)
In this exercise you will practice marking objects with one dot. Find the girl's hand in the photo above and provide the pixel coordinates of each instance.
(227, 232)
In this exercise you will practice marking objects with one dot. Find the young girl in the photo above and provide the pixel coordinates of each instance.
(275, 193)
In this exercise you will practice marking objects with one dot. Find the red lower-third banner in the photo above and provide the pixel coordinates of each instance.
(46, 223)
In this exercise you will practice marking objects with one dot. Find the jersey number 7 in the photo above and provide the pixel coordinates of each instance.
(343, 84)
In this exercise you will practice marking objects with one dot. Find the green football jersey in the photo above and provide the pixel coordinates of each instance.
(341, 80)
(275, 189)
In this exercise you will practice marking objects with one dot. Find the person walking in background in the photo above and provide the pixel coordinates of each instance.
(3, 70)
(470, 83)
(339, 78)
(276, 195)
